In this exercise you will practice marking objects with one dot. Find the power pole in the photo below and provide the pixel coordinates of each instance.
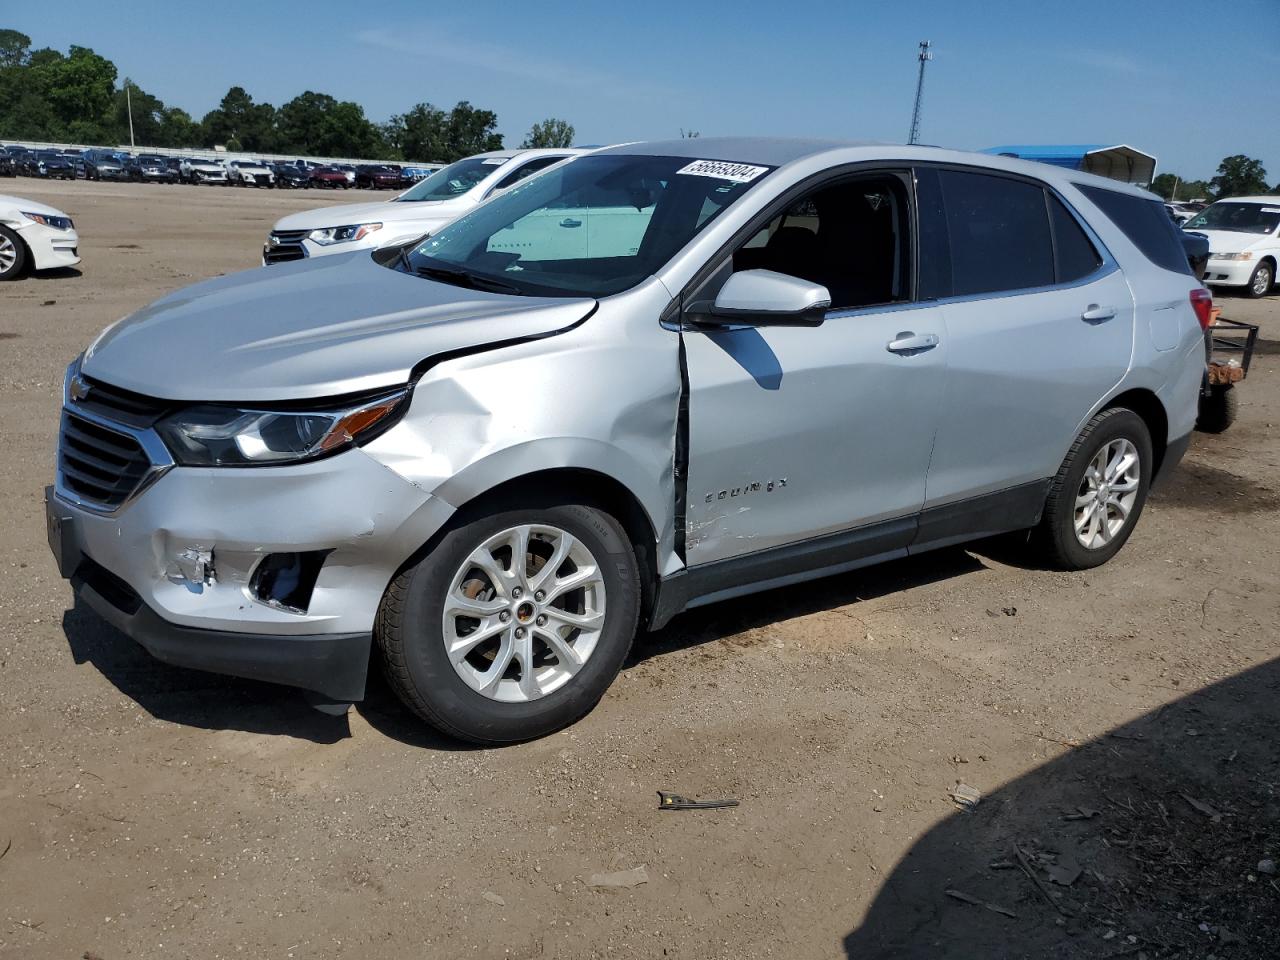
(129, 105)
(925, 56)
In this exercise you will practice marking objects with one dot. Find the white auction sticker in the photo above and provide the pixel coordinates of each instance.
(494, 161)
(720, 170)
(1271, 209)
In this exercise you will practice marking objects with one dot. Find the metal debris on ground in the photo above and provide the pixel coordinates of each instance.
(1081, 813)
(1065, 872)
(673, 801)
(1203, 807)
(964, 796)
(619, 878)
(993, 907)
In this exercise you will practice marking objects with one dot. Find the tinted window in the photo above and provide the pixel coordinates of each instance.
(1145, 223)
(999, 231)
(526, 169)
(1075, 253)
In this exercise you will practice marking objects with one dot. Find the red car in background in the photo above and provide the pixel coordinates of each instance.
(379, 177)
(329, 177)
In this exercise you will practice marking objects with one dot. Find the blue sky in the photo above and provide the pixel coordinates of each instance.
(1032, 71)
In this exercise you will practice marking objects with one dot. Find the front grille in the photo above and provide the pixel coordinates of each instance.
(123, 406)
(262, 179)
(99, 465)
(285, 245)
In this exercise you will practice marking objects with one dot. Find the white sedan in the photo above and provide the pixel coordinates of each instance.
(424, 208)
(1244, 242)
(36, 236)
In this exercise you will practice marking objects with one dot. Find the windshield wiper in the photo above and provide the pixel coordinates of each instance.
(464, 278)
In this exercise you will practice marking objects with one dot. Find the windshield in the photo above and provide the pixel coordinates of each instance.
(454, 180)
(593, 227)
(1238, 217)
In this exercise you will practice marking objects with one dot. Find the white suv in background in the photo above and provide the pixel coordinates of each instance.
(422, 209)
(200, 170)
(1244, 242)
(250, 173)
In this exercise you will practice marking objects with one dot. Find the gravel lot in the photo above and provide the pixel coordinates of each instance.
(151, 812)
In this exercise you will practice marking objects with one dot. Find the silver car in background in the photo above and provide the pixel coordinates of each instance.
(663, 375)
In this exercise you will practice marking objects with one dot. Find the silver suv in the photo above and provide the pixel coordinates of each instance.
(657, 377)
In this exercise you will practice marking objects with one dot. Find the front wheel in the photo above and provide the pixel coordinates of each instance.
(13, 255)
(1260, 283)
(1095, 500)
(515, 622)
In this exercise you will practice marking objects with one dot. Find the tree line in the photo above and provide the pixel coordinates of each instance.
(46, 95)
(1238, 176)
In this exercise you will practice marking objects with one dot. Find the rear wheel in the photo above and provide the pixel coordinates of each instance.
(13, 255)
(1217, 410)
(1095, 500)
(515, 622)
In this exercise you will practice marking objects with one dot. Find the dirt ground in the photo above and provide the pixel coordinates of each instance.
(1122, 722)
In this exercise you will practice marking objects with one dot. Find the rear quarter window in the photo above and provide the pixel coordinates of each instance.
(1145, 223)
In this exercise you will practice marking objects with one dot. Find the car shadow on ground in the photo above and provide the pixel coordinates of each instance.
(214, 702)
(57, 273)
(1151, 840)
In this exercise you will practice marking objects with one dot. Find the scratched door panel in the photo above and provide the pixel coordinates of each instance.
(797, 432)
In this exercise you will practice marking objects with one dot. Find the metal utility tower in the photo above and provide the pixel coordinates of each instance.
(925, 56)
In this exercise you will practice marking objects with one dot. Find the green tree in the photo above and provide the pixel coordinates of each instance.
(420, 134)
(550, 133)
(1173, 187)
(79, 87)
(471, 131)
(13, 49)
(1239, 176)
(238, 118)
(317, 123)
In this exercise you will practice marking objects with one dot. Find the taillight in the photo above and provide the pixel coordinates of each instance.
(1202, 304)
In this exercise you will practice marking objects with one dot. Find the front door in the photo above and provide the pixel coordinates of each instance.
(795, 433)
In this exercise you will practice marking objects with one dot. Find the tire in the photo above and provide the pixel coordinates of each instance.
(411, 624)
(1260, 283)
(13, 255)
(1057, 537)
(1218, 410)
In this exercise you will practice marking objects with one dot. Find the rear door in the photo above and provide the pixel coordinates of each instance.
(1039, 329)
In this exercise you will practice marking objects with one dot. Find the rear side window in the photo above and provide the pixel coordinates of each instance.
(1145, 223)
(999, 232)
(1074, 253)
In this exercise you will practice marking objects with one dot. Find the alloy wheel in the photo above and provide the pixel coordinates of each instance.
(8, 254)
(524, 612)
(1261, 281)
(1107, 493)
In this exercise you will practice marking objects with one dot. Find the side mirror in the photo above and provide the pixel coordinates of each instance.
(765, 298)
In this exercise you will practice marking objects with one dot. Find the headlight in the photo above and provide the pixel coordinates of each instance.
(214, 436)
(1247, 255)
(58, 223)
(352, 231)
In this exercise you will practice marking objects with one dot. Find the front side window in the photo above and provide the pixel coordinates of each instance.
(999, 233)
(850, 237)
(593, 227)
(1239, 217)
(454, 180)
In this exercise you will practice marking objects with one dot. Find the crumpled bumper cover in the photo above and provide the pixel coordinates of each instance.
(332, 664)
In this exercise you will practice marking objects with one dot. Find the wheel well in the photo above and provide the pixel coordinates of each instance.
(573, 484)
(1148, 406)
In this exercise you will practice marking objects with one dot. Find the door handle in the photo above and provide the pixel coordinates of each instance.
(908, 342)
(570, 222)
(1096, 314)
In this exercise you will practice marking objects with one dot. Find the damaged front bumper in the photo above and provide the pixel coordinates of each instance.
(180, 568)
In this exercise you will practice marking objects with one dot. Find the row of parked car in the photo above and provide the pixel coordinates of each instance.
(102, 164)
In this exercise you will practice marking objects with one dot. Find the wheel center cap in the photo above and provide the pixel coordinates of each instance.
(524, 612)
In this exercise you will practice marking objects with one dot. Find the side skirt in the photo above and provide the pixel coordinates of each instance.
(1014, 509)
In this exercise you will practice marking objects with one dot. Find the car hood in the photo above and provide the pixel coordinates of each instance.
(382, 211)
(205, 165)
(20, 205)
(309, 329)
(1233, 241)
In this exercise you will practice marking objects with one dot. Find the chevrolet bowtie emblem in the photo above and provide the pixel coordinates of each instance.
(78, 388)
